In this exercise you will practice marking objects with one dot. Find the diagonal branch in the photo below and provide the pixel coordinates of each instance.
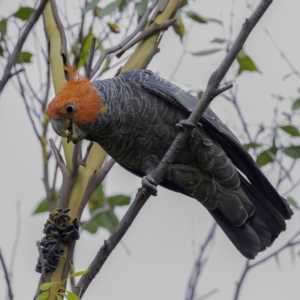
(67, 178)
(12, 58)
(143, 194)
(10, 294)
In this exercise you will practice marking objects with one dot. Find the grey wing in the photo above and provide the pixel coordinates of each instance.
(219, 131)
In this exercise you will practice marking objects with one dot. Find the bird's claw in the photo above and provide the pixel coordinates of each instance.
(185, 123)
(149, 183)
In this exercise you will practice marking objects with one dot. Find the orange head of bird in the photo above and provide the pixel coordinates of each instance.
(77, 103)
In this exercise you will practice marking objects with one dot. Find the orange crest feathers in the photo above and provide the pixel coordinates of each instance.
(79, 92)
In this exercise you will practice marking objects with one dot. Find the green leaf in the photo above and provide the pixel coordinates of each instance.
(84, 54)
(66, 295)
(45, 286)
(72, 296)
(3, 28)
(218, 41)
(292, 202)
(114, 27)
(90, 6)
(119, 200)
(43, 205)
(296, 104)
(200, 94)
(24, 57)
(97, 199)
(79, 273)
(291, 130)
(109, 9)
(179, 26)
(141, 8)
(245, 62)
(58, 297)
(106, 220)
(293, 151)
(200, 19)
(24, 13)
(206, 52)
(252, 145)
(43, 296)
(267, 156)
(1, 51)
(183, 3)
(194, 16)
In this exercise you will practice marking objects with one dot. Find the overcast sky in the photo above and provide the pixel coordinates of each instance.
(164, 240)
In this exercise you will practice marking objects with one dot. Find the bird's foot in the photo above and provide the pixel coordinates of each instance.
(149, 183)
(185, 123)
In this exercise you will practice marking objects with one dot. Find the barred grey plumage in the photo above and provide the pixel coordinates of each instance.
(137, 130)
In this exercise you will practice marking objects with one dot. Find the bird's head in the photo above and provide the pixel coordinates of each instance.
(76, 106)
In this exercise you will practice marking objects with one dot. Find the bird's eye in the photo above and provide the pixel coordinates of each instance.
(70, 108)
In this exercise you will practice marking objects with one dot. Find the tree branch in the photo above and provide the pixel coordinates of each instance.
(113, 49)
(12, 58)
(249, 266)
(143, 194)
(67, 179)
(10, 294)
(199, 264)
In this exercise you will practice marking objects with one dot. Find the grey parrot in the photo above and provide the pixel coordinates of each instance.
(133, 117)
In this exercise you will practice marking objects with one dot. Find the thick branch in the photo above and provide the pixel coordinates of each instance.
(143, 194)
(12, 58)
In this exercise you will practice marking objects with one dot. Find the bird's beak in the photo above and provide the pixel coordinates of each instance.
(66, 128)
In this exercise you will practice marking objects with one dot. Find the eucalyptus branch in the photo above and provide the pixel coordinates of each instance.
(64, 48)
(13, 56)
(248, 266)
(149, 31)
(143, 194)
(10, 294)
(113, 49)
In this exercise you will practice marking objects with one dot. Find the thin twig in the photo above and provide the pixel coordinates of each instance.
(64, 48)
(10, 294)
(12, 58)
(95, 214)
(95, 181)
(143, 194)
(67, 178)
(17, 238)
(113, 49)
(198, 266)
(90, 59)
(248, 266)
(148, 32)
